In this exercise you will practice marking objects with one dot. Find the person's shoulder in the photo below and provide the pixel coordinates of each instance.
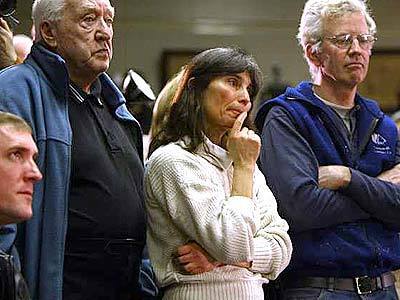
(23, 68)
(279, 106)
(370, 104)
(277, 113)
(18, 85)
(16, 75)
(166, 153)
(172, 155)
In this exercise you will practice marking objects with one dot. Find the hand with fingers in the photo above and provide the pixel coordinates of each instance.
(392, 175)
(333, 177)
(8, 56)
(195, 260)
(243, 144)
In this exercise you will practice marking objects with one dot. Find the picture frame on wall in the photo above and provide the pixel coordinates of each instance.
(173, 60)
(383, 80)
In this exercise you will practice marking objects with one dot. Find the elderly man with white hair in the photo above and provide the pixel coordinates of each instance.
(332, 158)
(87, 234)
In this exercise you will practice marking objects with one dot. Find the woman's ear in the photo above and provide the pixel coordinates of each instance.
(49, 34)
(313, 55)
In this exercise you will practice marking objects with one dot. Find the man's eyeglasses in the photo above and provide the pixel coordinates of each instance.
(344, 41)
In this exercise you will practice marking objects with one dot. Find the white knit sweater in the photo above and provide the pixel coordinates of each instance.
(188, 199)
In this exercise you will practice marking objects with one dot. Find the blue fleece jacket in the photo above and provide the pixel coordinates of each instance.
(345, 233)
(37, 90)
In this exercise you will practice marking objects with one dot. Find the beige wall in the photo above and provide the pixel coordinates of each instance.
(266, 28)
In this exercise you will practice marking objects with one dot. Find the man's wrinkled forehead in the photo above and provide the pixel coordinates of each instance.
(89, 5)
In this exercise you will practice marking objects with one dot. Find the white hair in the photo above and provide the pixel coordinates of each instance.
(46, 10)
(317, 11)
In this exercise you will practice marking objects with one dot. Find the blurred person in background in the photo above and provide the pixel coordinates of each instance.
(163, 103)
(22, 45)
(8, 56)
(140, 101)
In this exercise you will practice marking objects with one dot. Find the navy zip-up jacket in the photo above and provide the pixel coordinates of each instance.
(345, 233)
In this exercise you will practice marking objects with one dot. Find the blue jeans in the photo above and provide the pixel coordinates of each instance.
(325, 294)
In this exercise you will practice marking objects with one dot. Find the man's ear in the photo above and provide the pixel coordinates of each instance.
(313, 55)
(48, 34)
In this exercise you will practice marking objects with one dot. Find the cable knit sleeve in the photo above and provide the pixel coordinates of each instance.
(272, 245)
(195, 195)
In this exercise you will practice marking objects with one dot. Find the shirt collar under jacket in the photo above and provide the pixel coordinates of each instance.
(80, 96)
(211, 152)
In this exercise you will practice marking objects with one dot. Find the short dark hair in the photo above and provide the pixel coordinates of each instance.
(186, 117)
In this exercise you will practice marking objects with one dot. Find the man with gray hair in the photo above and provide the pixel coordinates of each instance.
(87, 234)
(332, 157)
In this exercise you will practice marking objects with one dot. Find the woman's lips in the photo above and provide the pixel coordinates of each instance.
(236, 112)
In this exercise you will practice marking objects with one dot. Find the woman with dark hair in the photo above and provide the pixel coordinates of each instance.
(203, 187)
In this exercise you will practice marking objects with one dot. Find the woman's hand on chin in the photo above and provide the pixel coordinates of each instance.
(243, 144)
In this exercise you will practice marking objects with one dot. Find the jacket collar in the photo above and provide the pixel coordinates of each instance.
(304, 93)
(52, 65)
(56, 73)
(80, 96)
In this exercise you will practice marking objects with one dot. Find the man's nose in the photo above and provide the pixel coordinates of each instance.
(33, 172)
(104, 31)
(355, 46)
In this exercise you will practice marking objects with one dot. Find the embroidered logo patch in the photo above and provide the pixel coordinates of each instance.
(380, 144)
(378, 139)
